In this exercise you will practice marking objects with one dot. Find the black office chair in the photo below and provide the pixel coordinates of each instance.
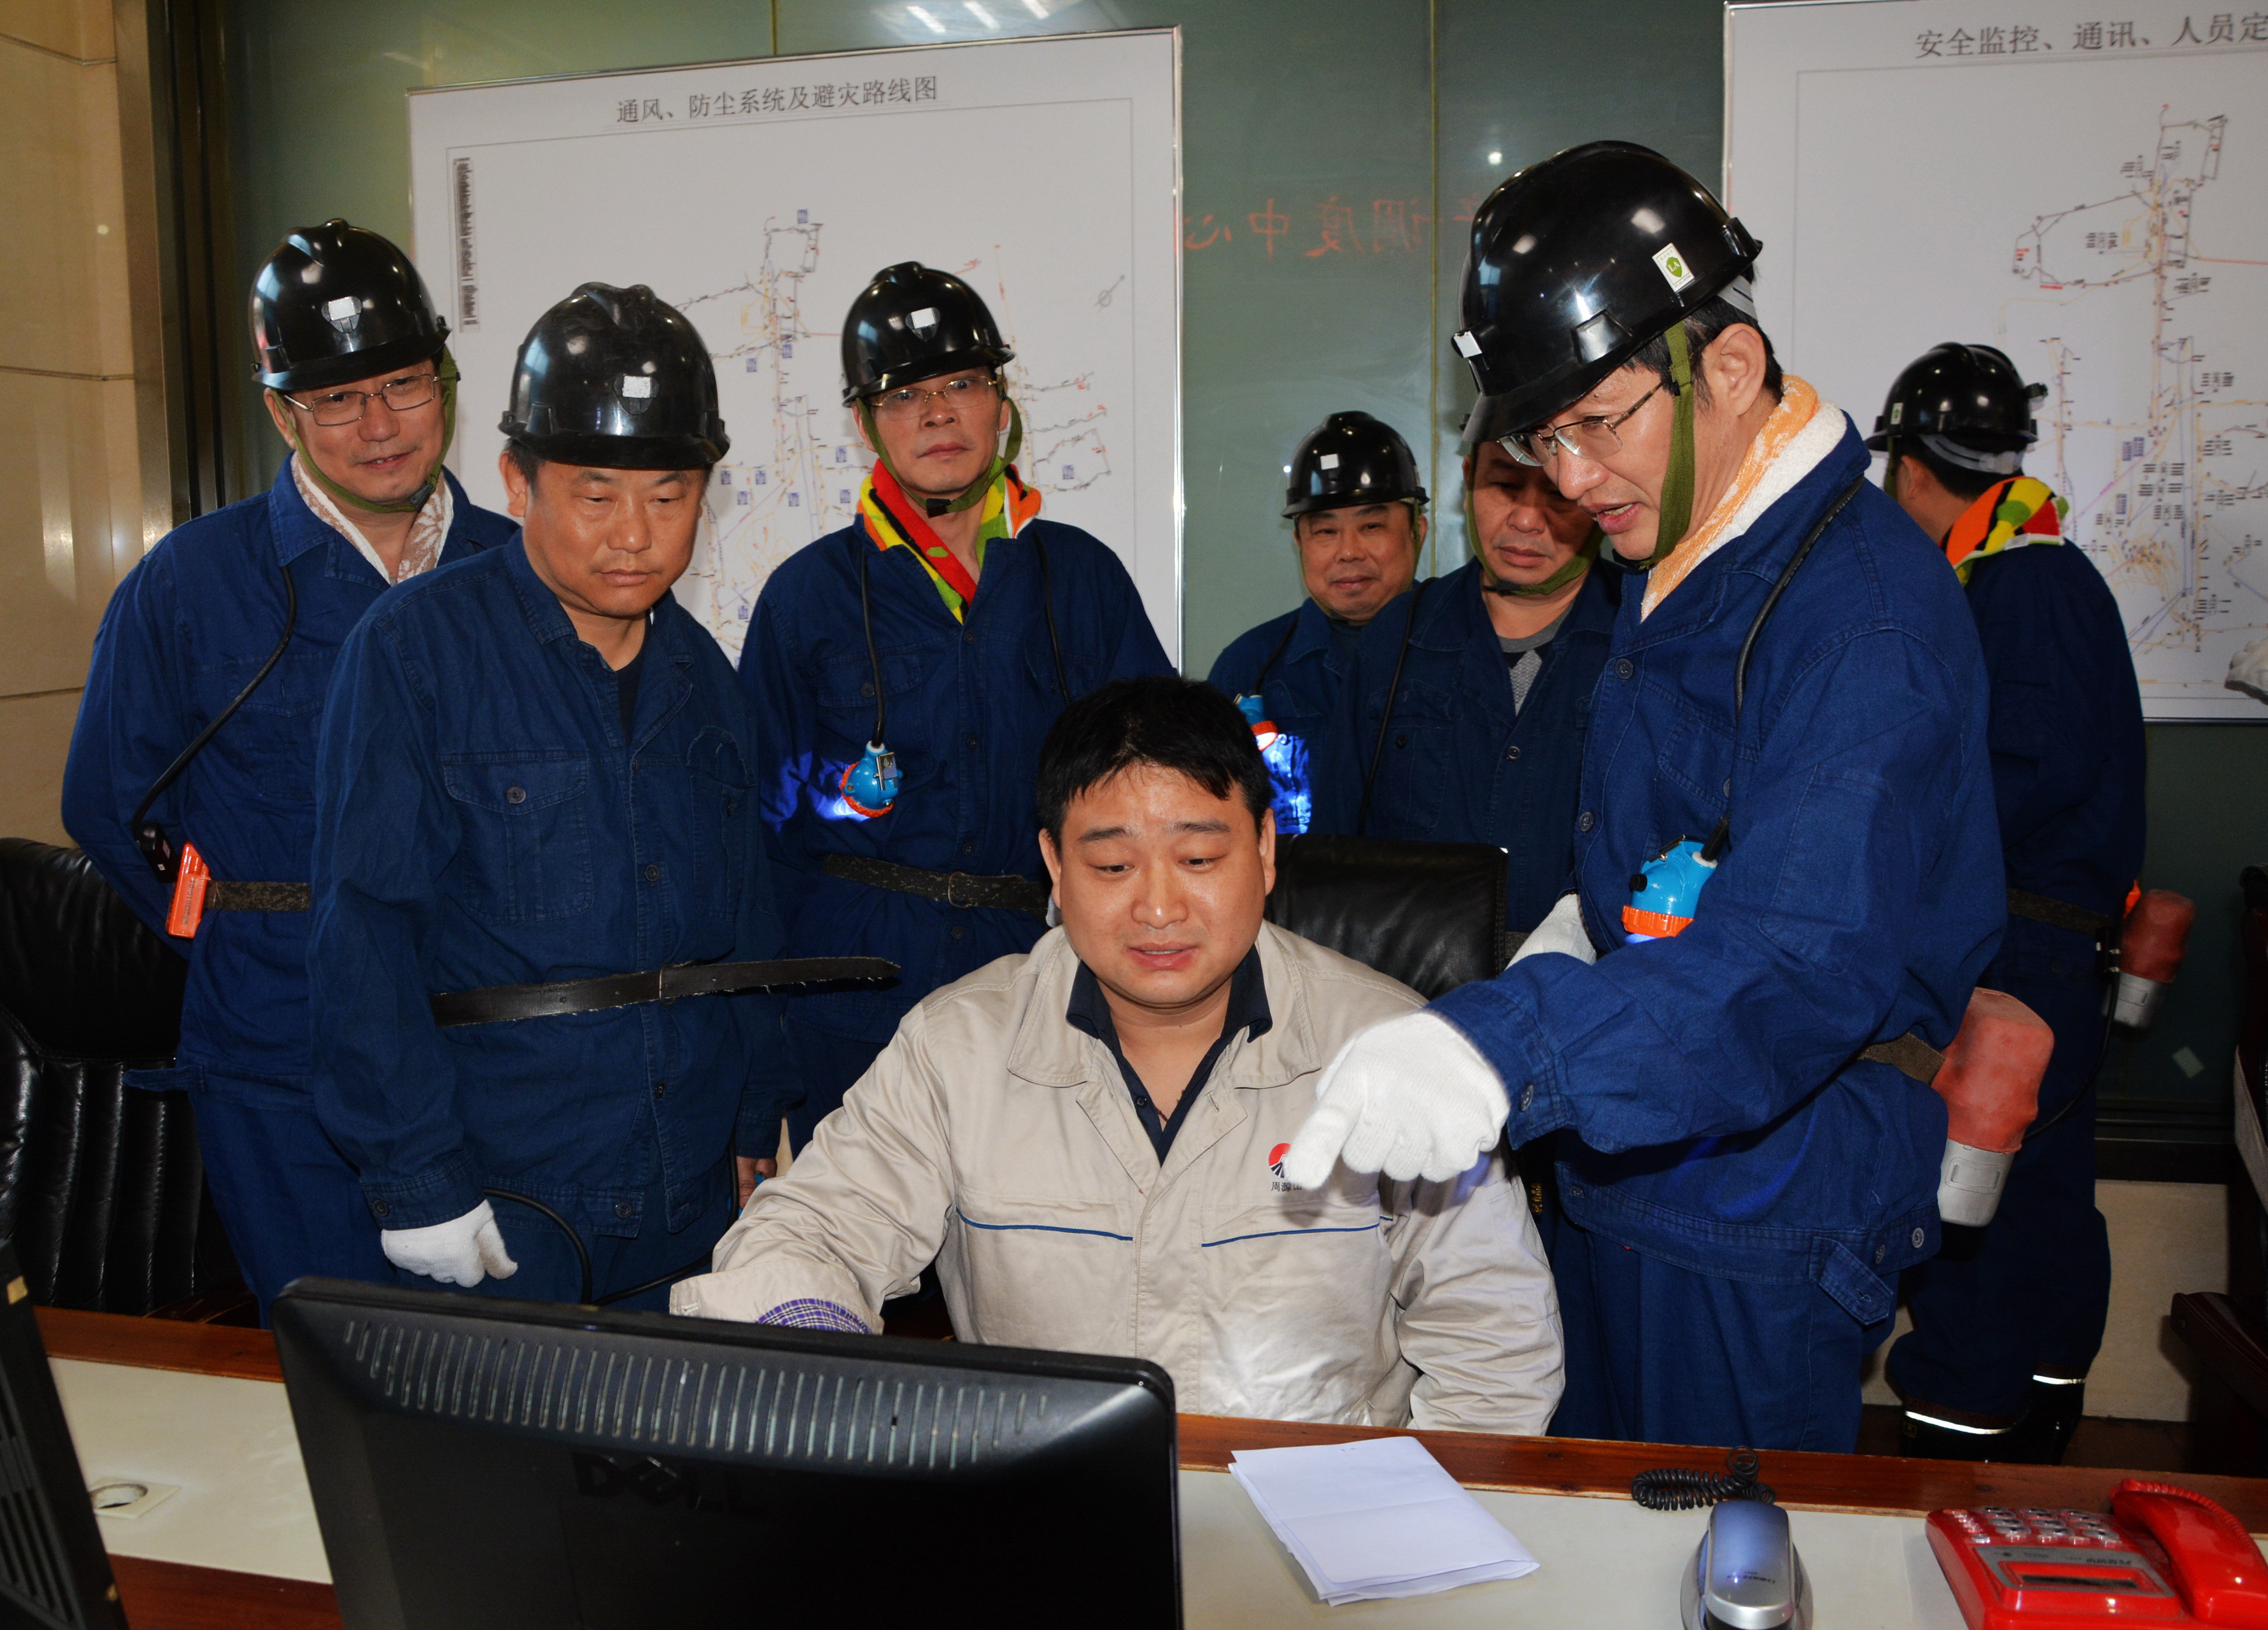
(102, 1188)
(1431, 915)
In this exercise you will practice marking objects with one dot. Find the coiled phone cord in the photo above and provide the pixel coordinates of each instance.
(1680, 1489)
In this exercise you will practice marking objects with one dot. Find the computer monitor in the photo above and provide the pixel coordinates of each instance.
(503, 1465)
(55, 1573)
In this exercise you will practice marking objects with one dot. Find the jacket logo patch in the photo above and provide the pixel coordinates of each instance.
(1276, 1165)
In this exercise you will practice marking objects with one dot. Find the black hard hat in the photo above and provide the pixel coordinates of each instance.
(335, 303)
(1971, 393)
(618, 379)
(914, 322)
(1577, 262)
(1352, 459)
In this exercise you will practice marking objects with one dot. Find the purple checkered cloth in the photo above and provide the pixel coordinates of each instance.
(810, 1313)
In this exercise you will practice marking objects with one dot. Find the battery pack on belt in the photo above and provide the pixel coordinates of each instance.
(499, 1004)
(962, 888)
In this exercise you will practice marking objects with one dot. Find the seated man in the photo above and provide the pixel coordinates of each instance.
(1085, 1138)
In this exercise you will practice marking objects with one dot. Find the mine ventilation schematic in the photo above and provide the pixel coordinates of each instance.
(2175, 514)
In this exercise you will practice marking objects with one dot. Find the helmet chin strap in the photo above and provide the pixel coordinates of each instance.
(1569, 570)
(977, 489)
(445, 371)
(1676, 509)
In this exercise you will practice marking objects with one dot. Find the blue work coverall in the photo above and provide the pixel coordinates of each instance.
(1295, 664)
(1741, 1189)
(187, 630)
(1459, 765)
(481, 821)
(968, 706)
(2027, 1294)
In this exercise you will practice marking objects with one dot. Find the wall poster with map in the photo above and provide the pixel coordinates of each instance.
(2083, 183)
(758, 197)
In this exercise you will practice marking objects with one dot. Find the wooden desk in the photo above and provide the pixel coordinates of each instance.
(178, 1595)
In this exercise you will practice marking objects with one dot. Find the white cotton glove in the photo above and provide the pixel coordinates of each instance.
(1411, 1098)
(463, 1250)
(1562, 931)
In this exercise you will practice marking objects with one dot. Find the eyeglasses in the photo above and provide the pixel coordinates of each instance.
(902, 407)
(1592, 438)
(344, 407)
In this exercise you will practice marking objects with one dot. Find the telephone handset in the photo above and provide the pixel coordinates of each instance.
(2164, 1556)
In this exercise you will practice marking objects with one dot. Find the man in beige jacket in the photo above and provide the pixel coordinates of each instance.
(1087, 1138)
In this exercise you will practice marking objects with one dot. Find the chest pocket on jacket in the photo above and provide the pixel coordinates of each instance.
(1692, 762)
(525, 817)
(721, 788)
(1081, 671)
(272, 734)
(1414, 766)
(1271, 1258)
(844, 690)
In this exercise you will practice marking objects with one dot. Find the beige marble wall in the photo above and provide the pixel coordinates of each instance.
(71, 496)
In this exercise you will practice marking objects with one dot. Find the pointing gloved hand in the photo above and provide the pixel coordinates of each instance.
(463, 1250)
(1411, 1098)
(1561, 930)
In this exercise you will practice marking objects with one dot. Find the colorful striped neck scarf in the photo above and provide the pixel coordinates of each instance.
(2010, 515)
(892, 521)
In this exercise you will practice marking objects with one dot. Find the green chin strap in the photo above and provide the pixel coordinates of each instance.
(445, 371)
(1574, 567)
(977, 489)
(1677, 510)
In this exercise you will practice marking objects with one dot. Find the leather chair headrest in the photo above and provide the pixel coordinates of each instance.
(81, 975)
(1431, 915)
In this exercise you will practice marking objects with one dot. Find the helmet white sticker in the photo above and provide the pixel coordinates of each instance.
(1467, 345)
(1898, 412)
(1328, 461)
(1673, 266)
(342, 309)
(637, 385)
(924, 319)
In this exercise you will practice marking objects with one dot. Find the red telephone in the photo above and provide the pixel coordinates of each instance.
(2163, 1556)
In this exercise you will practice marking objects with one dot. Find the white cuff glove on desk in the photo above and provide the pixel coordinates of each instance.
(1411, 1098)
(463, 1250)
(1562, 931)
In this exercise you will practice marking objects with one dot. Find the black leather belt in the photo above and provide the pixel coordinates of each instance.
(2104, 931)
(222, 896)
(1909, 1056)
(963, 889)
(497, 1004)
(2041, 909)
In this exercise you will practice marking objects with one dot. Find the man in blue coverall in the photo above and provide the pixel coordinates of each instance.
(1462, 717)
(2008, 1317)
(360, 387)
(536, 767)
(1358, 515)
(1750, 1157)
(899, 706)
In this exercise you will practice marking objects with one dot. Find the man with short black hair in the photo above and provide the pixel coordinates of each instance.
(537, 791)
(1087, 1138)
(903, 670)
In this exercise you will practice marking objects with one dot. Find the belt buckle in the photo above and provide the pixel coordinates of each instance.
(953, 880)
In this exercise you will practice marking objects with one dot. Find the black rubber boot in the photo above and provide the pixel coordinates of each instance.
(2050, 1416)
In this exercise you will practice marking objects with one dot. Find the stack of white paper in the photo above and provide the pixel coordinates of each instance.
(1377, 1518)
